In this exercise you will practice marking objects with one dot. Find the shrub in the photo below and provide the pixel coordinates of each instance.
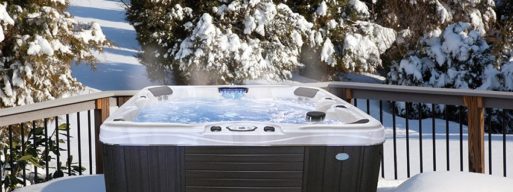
(36, 149)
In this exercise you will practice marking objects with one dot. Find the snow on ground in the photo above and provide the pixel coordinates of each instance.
(427, 145)
(96, 183)
(76, 184)
(388, 185)
(117, 68)
(456, 182)
(361, 77)
(75, 145)
(427, 182)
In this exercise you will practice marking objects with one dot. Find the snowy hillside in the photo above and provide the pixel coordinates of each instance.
(117, 68)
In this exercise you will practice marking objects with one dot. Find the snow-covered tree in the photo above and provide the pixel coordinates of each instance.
(456, 57)
(269, 46)
(364, 45)
(218, 42)
(231, 41)
(414, 19)
(504, 36)
(348, 39)
(471, 54)
(39, 41)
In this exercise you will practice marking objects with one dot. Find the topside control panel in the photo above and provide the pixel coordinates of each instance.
(241, 128)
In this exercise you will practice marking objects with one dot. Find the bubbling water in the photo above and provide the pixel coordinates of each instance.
(232, 93)
(233, 108)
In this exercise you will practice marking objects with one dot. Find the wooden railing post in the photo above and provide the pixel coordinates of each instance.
(101, 113)
(348, 95)
(475, 133)
(344, 93)
(122, 100)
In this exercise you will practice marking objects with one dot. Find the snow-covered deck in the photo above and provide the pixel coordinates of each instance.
(95, 183)
(427, 182)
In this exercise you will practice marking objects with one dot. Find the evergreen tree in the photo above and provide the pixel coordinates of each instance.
(40, 40)
(218, 42)
(454, 58)
(231, 41)
(352, 42)
(457, 57)
(414, 19)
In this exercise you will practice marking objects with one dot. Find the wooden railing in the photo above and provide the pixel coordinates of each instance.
(475, 101)
(99, 103)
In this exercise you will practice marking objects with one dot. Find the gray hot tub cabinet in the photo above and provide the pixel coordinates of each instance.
(242, 156)
(241, 169)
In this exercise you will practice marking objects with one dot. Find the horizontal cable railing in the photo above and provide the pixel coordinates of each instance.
(448, 136)
(64, 133)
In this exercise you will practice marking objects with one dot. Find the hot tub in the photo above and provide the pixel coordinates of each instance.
(240, 139)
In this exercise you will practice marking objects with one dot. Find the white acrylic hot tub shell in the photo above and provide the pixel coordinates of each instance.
(131, 133)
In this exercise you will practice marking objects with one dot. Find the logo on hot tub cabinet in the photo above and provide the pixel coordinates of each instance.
(342, 156)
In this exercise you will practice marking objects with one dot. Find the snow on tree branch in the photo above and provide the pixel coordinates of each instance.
(5, 19)
(40, 43)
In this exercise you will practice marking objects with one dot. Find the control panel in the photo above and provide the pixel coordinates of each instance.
(241, 128)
